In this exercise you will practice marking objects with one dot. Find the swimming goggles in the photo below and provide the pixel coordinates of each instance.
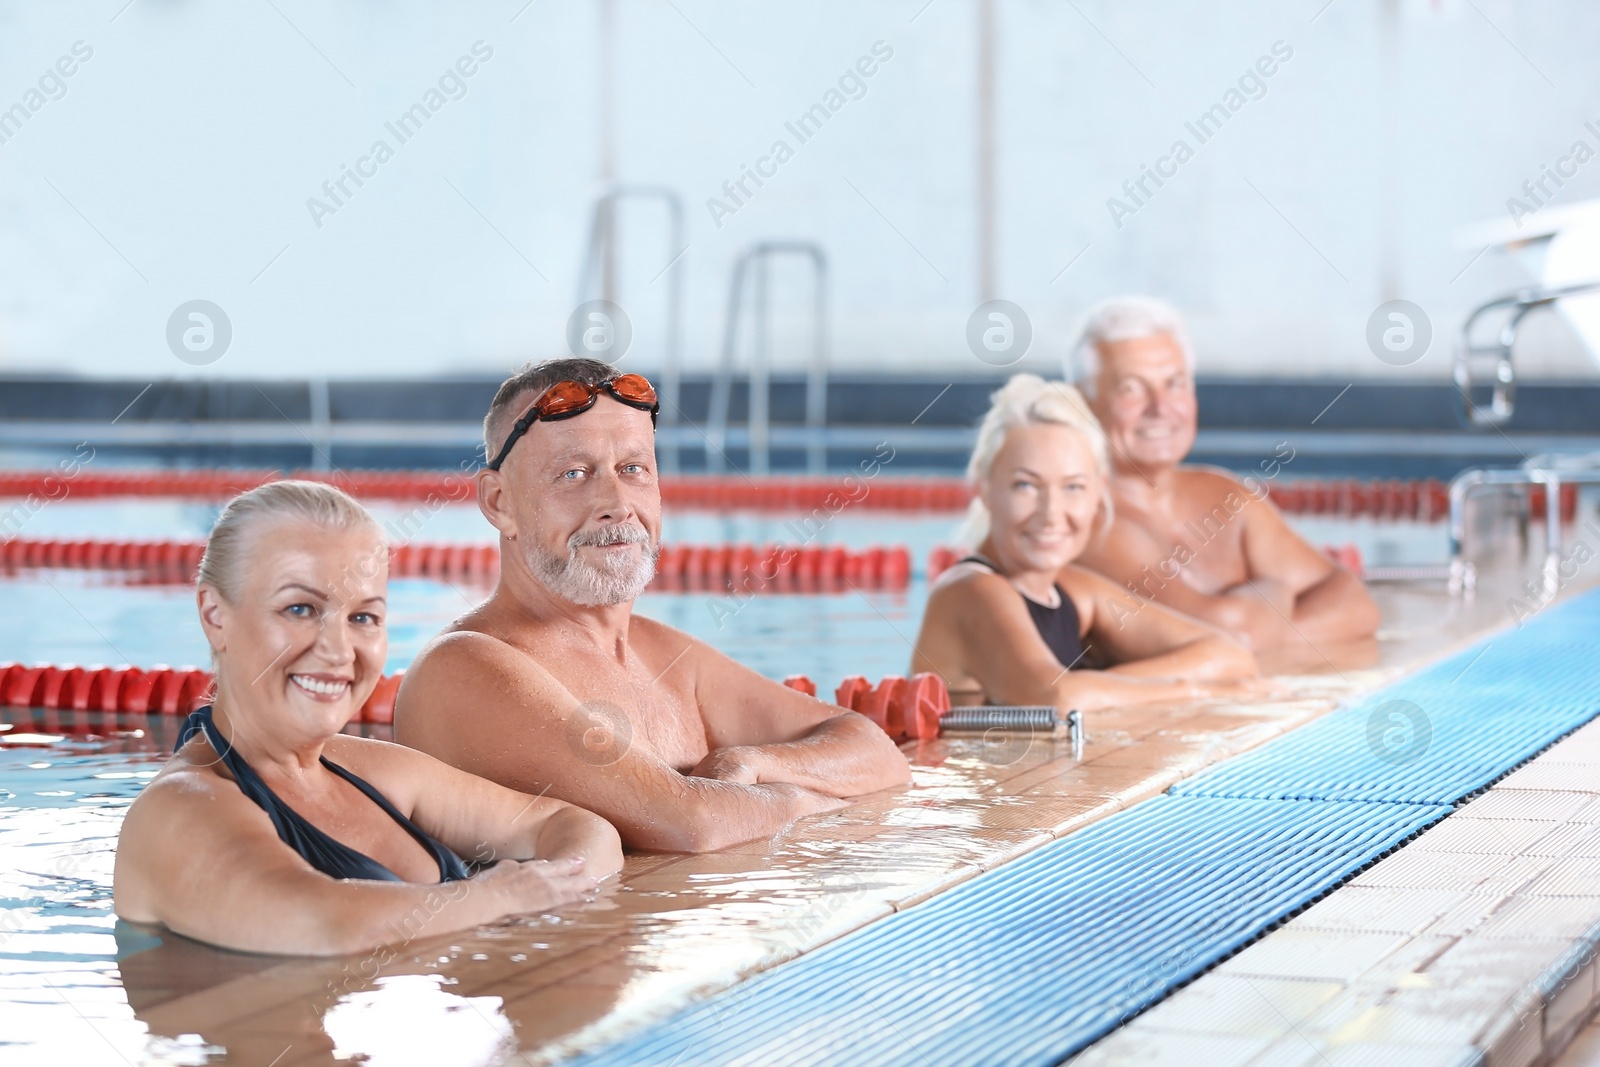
(567, 398)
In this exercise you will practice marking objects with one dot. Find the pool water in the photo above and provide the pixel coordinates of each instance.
(66, 778)
(90, 617)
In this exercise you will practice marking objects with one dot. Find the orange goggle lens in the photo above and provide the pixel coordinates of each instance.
(567, 398)
(635, 388)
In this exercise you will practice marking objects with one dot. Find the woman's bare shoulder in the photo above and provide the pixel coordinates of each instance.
(1088, 589)
(190, 798)
(1079, 580)
(395, 770)
(966, 579)
(190, 778)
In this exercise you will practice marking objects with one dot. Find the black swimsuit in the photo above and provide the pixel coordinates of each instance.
(318, 849)
(1058, 626)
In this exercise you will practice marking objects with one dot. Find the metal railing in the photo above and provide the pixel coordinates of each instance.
(598, 278)
(1552, 471)
(1516, 307)
(320, 432)
(754, 264)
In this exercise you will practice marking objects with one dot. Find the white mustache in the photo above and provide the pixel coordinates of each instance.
(609, 535)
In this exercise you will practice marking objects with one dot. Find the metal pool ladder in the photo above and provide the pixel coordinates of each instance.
(1552, 470)
(598, 277)
(754, 264)
(1516, 307)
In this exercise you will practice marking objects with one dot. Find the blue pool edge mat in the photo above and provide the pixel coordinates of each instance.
(1037, 959)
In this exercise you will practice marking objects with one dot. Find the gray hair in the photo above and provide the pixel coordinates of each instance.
(315, 502)
(1029, 400)
(1122, 318)
(534, 378)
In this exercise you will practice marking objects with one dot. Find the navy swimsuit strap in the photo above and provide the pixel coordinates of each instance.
(327, 855)
(1057, 626)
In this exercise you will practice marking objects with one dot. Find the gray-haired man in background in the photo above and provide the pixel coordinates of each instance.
(1199, 539)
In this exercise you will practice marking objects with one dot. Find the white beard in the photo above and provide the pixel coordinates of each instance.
(576, 580)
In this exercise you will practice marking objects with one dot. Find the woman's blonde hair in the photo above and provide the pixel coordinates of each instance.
(1029, 400)
(312, 501)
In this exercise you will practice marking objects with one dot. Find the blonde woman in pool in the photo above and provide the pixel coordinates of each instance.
(272, 831)
(1013, 622)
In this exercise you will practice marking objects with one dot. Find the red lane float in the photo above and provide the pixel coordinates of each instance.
(904, 708)
(736, 568)
(160, 690)
(802, 683)
(1421, 501)
(721, 493)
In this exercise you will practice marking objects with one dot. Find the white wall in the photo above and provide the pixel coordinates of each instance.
(193, 137)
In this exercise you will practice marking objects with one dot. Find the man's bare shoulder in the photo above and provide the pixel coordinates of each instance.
(460, 649)
(1202, 480)
(464, 667)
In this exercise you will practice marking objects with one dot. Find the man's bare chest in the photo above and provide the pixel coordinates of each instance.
(638, 704)
(1204, 543)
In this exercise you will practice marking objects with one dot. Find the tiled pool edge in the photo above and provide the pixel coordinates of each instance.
(1524, 1023)
(1569, 714)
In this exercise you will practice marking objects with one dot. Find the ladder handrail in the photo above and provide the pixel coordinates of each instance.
(600, 255)
(1503, 399)
(1552, 476)
(759, 255)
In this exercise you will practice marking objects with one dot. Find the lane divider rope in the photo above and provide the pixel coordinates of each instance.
(1415, 500)
(158, 690)
(903, 708)
(738, 568)
(722, 493)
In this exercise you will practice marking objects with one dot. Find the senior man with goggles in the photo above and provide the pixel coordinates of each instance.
(553, 686)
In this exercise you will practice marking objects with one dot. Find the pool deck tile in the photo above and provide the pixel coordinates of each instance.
(1486, 837)
(1299, 1052)
(1243, 1005)
(1512, 803)
(1316, 955)
(1475, 943)
(1382, 909)
(1568, 878)
(1157, 1048)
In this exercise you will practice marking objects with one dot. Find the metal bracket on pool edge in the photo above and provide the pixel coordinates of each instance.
(1030, 717)
(980, 717)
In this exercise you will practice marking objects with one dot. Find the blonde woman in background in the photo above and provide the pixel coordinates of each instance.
(1014, 622)
(270, 830)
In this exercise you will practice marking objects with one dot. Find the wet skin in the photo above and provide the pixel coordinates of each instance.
(676, 744)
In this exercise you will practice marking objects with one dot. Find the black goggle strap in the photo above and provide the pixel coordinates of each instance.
(516, 433)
